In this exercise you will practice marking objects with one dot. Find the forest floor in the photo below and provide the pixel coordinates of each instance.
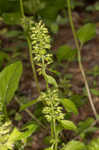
(90, 59)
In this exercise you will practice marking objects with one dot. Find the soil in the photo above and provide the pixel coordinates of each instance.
(90, 58)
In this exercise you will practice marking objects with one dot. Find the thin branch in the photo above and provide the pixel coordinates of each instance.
(79, 60)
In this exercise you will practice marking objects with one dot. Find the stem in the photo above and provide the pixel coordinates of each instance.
(44, 72)
(53, 121)
(30, 50)
(47, 87)
(32, 64)
(22, 9)
(79, 60)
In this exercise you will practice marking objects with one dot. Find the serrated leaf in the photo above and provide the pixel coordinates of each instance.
(9, 80)
(66, 53)
(75, 145)
(68, 125)
(51, 80)
(69, 105)
(86, 32)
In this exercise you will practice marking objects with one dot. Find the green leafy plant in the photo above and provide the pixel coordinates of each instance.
(55, 106)
(9, 135)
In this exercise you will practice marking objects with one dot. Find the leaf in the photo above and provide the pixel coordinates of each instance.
(66, 53)
(16, 135)
(11, 18)
(28, 104)
(69, 106)
(51, 9)
(94, 71)
(51, 80)
(54, 27)
(91, 129)
(78, 100)
(68, 125)
(59, 128)
(83, 125)
(13, 33)
(9, 79)
(50, 148)
(28, 129)
(86, 32)
(97, 6)
(93, 145)
(75, 4)
(95, 92)
(75, 145)
(9, 6)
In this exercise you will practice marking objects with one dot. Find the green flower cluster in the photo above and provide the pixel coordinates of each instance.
(52, 109)
(2, 116)
(40, 44)
(5, 130)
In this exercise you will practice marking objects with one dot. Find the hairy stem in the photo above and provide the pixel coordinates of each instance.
(30, 50)
(79, 60)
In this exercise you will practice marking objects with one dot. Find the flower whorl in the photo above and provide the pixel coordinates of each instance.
(51, 98)
(40, 44)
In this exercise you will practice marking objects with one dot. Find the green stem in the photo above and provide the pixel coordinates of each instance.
(53, 121)
(22, 9)
(47, 87)
(30, 50)
(44, 72)
(32, 64)
(54, 134)
(79, 60)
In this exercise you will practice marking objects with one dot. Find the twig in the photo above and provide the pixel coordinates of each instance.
(79, 60)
